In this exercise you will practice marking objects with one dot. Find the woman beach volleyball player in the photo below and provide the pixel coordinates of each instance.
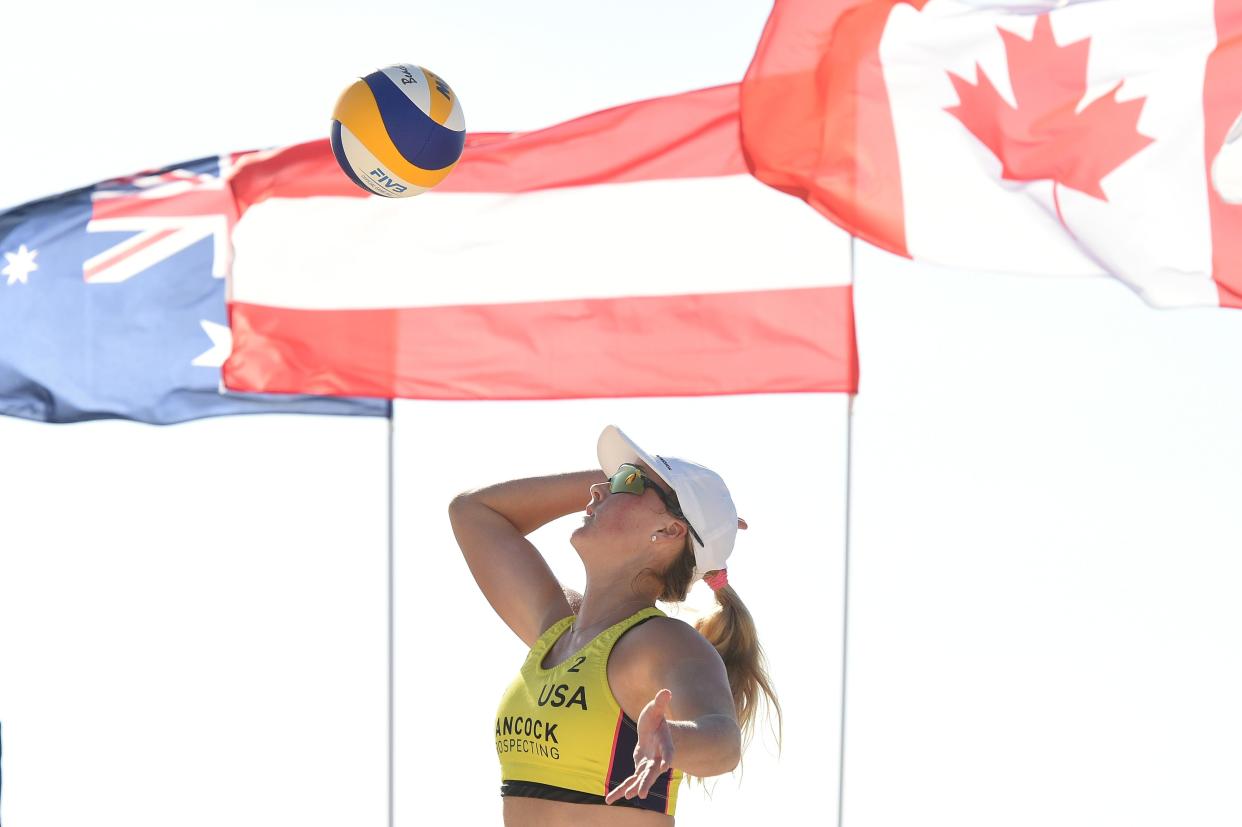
(615, 701)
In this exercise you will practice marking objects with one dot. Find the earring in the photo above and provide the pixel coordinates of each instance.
(653, 538)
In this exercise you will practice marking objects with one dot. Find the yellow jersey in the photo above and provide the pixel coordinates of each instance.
(561, 734)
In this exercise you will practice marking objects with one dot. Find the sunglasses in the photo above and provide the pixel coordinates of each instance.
(630, 479)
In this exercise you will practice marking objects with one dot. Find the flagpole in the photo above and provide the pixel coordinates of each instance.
(391, 420)
(845, 602)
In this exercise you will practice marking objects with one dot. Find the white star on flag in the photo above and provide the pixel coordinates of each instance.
(221, 345)
(21, 265)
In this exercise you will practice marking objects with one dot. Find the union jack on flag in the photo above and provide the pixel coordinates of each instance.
(112, 303)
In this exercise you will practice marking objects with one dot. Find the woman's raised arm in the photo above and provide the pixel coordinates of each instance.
(491, 525)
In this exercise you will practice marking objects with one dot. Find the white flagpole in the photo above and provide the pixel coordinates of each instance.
(391, 421)
(845, 602)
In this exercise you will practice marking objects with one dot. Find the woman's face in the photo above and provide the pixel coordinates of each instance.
(621, 524)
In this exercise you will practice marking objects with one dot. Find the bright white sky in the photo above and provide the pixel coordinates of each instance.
(1043, 623)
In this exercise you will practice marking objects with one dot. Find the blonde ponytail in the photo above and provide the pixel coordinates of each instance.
(731, 630)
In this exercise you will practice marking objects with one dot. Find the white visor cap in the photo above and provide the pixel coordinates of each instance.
(702, 494)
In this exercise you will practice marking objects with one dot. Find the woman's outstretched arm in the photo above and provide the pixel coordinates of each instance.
(687, 718)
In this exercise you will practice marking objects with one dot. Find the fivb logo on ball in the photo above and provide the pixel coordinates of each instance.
(398, 131)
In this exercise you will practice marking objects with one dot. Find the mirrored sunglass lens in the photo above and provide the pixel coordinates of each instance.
(627, 480)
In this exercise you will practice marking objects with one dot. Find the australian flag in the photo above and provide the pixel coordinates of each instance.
(112, 303)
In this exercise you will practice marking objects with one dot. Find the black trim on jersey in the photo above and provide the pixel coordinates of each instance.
(533, 789)
(548, 792)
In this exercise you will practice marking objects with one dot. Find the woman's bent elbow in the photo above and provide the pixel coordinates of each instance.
(460, 502)
(730, 758)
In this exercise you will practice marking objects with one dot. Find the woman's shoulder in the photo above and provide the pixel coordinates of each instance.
(646, 655)
(660, 638)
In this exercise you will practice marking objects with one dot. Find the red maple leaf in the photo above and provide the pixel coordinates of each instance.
(1044, 136)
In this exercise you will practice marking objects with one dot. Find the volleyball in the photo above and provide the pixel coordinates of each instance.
(398, 131)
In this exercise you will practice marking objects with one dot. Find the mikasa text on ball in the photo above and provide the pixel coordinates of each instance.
(398, 131)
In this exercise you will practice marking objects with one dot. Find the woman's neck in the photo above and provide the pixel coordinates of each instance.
(608, 603)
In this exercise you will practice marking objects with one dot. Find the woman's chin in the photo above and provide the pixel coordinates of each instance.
(580, 539)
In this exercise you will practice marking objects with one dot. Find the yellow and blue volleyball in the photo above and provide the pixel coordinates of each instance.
(398, 131)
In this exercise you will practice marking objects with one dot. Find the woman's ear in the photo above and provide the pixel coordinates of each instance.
(674, 530)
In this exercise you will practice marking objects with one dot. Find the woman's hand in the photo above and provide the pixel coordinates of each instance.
(653, 755)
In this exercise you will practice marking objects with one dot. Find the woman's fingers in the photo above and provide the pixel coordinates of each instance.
(626, 789)
(640, 789)
(648, 781)
(641, 773)
(640, 783)
(616, 792)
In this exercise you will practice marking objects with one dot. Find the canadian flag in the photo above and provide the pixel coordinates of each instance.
(1048, 138)
(625, 253)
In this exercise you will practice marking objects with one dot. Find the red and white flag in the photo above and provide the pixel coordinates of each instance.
(625, 253)
(1048, 137)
